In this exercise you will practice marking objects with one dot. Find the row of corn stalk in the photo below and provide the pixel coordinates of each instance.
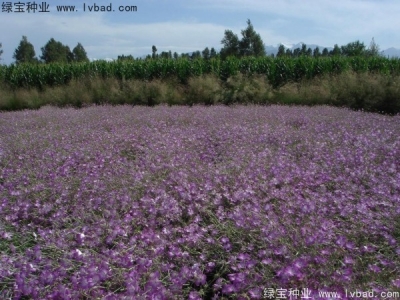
(278, 70)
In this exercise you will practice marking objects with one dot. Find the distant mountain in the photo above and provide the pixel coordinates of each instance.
(390, 52)
(274, 49)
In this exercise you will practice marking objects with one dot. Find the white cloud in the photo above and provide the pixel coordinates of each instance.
(327, 21)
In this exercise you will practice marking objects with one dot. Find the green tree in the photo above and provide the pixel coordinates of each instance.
(230, 44)
(251, 43)
(1, 50)
(206, 53)
(166, 54)
(79, 54)
(25, 52)
(316, 52)
(289, 53)
(373, 49)
(55, 51)
(176, 55)
(125, 57)
(281, 51)
(195, 54)
(213, 53)
(303, 50)
(153, 51)
(325, 52)
(336, 51)
(353, 49)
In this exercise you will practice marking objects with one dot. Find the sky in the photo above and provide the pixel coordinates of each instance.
(189, 25)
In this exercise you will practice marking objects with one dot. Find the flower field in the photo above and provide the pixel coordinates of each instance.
(197, 202)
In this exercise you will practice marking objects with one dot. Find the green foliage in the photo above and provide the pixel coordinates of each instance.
(230, 44)
(281, 51)
(303, 50)
(166, 54)
(25, 52)
(203, 89)
(316, 52)
(195, 55)
(125, 57)
(79, 54)
(213, 53)
(153, 51)
(251, 43)
(247, 89)
(376, 92)
(336, 51)
(354, 49)
(241, 73)
(1, 50)
(278, 71)
(55, 51)
(373, 49)
(206, 53)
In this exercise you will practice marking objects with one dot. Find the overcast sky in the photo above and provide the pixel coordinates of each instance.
(189, 25)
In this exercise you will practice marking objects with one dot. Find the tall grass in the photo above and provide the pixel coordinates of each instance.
(368, 91)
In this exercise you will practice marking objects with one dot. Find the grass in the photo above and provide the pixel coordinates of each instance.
(360, 91)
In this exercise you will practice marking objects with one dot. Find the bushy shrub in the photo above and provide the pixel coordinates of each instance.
(203, 90)
(247, 89)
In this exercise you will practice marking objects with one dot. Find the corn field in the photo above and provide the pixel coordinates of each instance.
(277, 70)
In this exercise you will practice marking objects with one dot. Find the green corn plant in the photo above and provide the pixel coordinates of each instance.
(278, 70)
(183, 71)
(359, 64)
(229, 67)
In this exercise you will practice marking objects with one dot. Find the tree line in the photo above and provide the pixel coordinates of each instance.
(250, 44)
(351, 49)
(53, 51)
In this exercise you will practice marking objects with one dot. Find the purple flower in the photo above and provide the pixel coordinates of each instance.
(194, 296)
(288, 272)
(396, 283)
(6, 235)
(199, 279)
(374, 268)
(255, 293)
(348, 260)
(228, 289)
(121, 202)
